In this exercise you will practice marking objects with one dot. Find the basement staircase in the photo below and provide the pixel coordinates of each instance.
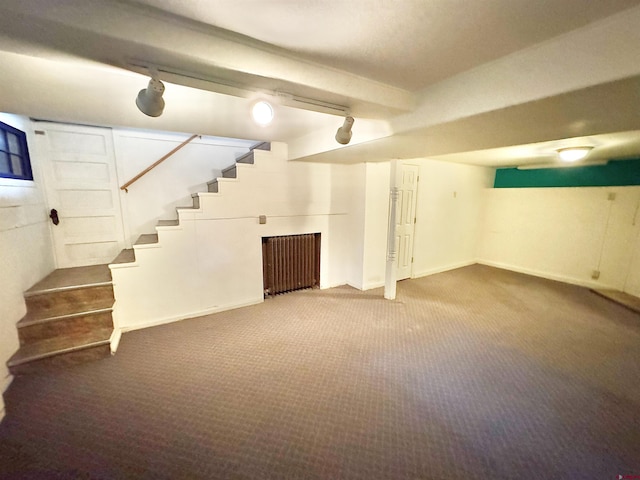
(228, 174)
(232, 171)
(68, 320)
(69, 313)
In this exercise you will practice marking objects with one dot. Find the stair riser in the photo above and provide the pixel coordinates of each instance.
(70, 301)
(263, 146)
(65, 326)
(59, 361)
(231, 172)
(248, 158)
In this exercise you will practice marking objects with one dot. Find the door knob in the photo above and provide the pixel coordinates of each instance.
(54, 216)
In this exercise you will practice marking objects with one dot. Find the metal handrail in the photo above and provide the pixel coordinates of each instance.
(151, 167)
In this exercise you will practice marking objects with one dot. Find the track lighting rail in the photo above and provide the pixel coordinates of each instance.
(237, 89)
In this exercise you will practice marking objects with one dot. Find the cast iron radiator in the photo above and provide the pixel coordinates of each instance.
(290, 262)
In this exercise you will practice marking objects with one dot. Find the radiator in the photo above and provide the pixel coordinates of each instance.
(290, 263)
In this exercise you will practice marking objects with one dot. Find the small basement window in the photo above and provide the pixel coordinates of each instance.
(14, 155)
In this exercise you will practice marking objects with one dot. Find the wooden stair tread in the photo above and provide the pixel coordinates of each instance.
(629, 301)
(70, 278)
(147, 239)
(59, 345)
(125, 256)
(34, 319)
(168, 223)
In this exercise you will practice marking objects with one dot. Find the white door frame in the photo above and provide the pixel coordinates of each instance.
(408, 215)
(60, 193)
(392, 248)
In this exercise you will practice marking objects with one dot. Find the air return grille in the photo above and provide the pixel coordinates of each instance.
(290, 263)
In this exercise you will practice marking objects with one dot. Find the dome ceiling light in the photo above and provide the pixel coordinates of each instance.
(262, 113)
(573, 154)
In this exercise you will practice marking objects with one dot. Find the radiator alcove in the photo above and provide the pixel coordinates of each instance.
(290, 262)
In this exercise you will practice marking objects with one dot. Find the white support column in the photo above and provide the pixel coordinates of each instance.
(392, 253)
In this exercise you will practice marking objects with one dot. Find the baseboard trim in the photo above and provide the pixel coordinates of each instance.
(424, 273)
(445, 268)
(367, 286)
(186, 316)
(333, 285)
(115, 340)
(371, 286)
(549, 276)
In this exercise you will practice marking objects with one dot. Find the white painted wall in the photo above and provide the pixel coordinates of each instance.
(368, 217)
(448, 215)
(447, 229)
(356, 225)
(355, 189)
(563, 233)
(156, 195)
(26, 253)
(214, 258)
(632, 283)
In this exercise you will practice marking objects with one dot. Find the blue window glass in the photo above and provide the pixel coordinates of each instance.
(14, 154)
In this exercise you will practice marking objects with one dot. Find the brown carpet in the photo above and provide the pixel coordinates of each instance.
(476, 373)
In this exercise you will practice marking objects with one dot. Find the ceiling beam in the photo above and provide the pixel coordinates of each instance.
(121, 34)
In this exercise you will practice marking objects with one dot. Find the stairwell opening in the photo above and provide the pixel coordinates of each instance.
(290, 262)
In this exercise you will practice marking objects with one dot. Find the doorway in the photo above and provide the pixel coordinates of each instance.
(407, 182)
(82, 187)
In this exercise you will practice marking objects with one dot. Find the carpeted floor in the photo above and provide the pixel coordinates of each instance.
(476, 373)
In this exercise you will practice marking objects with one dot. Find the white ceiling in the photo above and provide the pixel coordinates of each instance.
(409, 44)
(611, 146)
(453, 79)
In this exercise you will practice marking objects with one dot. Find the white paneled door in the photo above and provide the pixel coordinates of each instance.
(405, 218)
(82, 187)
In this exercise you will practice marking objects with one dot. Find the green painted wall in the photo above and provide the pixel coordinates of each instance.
(615, 173)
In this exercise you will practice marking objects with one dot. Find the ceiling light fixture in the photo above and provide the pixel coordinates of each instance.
(149, 100)
(344, 133)
(573, 154)
(262, 113)
(236, 89)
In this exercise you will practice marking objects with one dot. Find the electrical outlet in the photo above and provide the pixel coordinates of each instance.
(595, 274)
